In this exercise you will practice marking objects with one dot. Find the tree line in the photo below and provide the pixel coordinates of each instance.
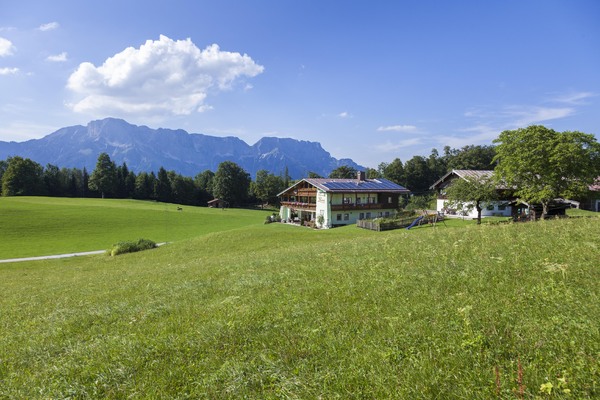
(539, 162)
(24, 177)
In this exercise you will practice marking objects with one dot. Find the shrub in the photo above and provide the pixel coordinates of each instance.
(406, 214)
(320, 220)
(272, 218)
(131, 247)
(423, 202)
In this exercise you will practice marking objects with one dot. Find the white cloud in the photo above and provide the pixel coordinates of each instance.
(397, 128)
(8, 71)
(476, 135)
(162, 76)
(487, 122)
(62, 57)
(574, 98)
(344, 114)
(389, 147)
(6, 47)
(49, 26)
(512, 117)
(520, 116)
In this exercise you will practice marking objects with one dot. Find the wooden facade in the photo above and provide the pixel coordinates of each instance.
(339, 201)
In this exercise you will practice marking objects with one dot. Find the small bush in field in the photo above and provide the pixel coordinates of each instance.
(272, 218)
(131, 247)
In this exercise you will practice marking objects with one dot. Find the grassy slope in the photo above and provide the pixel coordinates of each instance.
(273, 311)
(34, 226)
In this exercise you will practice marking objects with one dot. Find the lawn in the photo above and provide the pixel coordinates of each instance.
(277, 311)
(35, 226)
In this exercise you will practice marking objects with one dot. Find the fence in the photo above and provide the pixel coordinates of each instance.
(384, 224)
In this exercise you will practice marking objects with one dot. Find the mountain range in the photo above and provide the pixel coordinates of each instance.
(145, 150)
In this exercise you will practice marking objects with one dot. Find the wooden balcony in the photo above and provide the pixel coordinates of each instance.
(299, 206)
(366, 206)
(311, 192)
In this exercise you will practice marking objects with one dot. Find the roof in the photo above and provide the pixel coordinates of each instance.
(334, 185)
(464, 174)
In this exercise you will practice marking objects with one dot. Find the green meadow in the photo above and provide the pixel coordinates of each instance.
(36, 226)
(233, 308)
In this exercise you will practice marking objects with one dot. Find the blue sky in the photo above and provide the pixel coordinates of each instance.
(369, 80)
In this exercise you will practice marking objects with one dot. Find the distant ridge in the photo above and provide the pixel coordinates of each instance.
(146, 149)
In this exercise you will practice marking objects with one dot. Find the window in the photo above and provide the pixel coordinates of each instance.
(346, 217)
(387, 214)
(338, 217)
(390, 200)
(361, 216)
(490, 207)
(358, 200)
(501, 207)
(368, 215)
(347, 200)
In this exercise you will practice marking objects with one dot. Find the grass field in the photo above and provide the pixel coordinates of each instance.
(275, 311)
(35, 226)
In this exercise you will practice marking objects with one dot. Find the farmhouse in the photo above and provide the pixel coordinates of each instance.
(500, 208)
(339, 201)
(592, 200)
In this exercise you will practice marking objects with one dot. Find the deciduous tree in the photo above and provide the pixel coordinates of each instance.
(418, 175)
(472, 192)
(542, 164)
(393, 171)
(343, 172)
(372, 173)
(22, 177)
(266, 186)
(231, 183)
(204, 180)
(470, 157)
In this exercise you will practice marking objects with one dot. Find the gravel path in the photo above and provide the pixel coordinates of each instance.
(85, 253)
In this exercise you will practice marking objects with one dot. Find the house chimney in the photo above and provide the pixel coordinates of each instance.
(360, 175)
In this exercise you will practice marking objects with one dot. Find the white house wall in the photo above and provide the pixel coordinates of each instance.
(347, 217)
(323, 208)
(494, 209)
(285, 213)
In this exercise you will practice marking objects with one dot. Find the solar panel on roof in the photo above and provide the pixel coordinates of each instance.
(382, 184)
